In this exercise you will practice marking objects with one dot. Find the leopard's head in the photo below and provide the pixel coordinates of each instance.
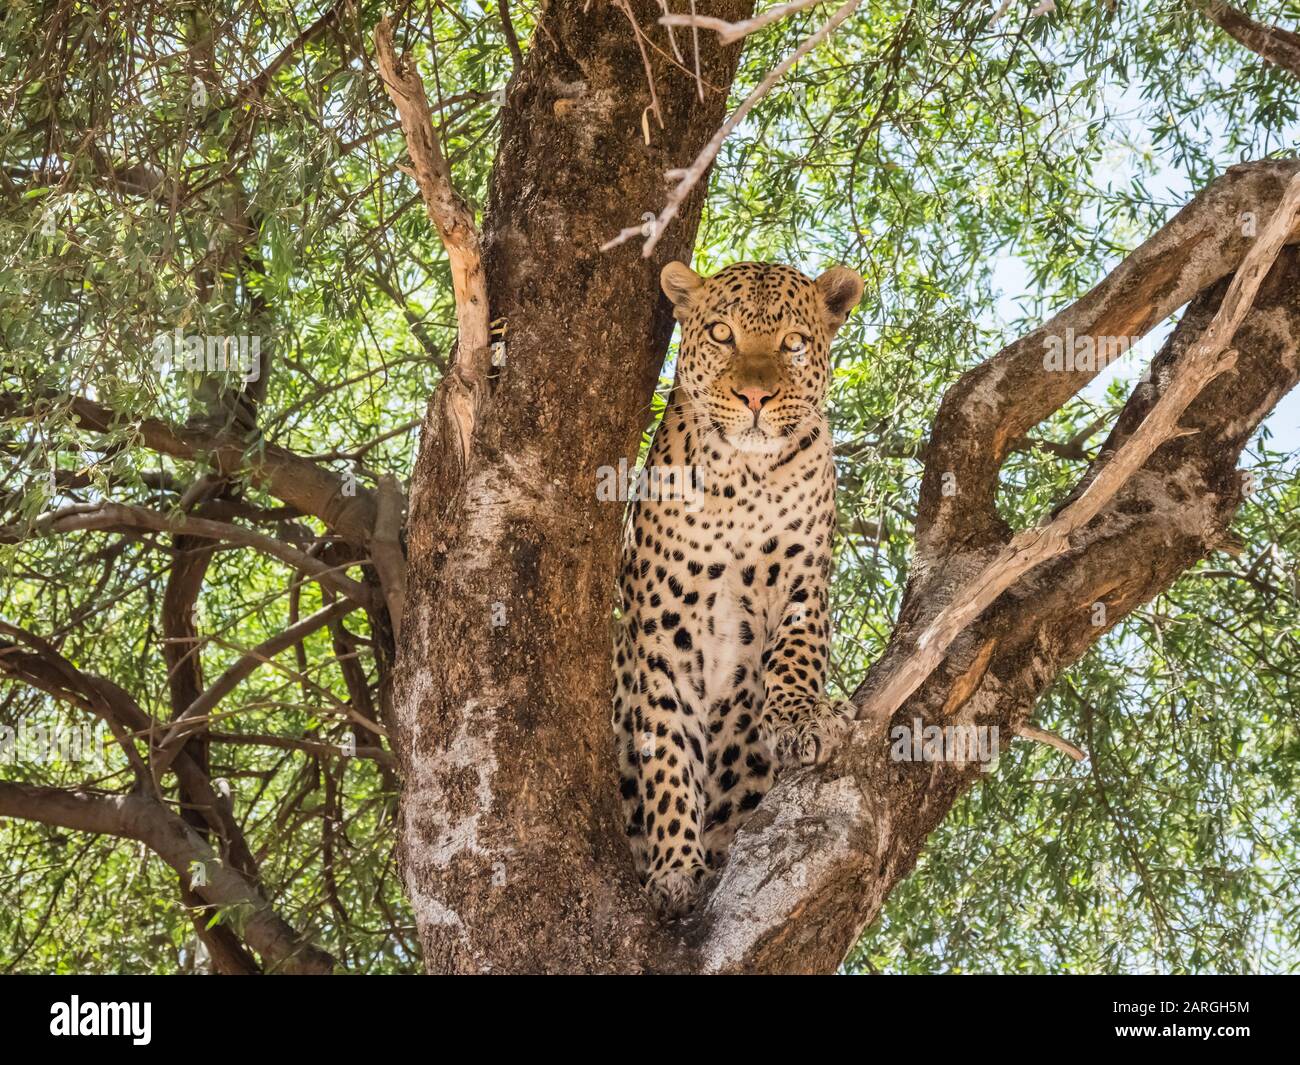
(754, 357)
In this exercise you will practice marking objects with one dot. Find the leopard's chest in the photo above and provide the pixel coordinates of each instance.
(711, 575)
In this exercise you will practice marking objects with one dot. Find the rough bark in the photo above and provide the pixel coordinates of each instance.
(1279, 46)
(512, 851)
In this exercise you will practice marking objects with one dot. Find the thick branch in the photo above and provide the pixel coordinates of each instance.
(1278, 46)
(995, 404)
(138, 818)
(1207, 359)
(386, 549)
(190, 561)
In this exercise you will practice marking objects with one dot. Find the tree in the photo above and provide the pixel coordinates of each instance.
(485, 587)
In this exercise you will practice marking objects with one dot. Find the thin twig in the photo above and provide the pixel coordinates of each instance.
(731, 32)
(695, 44)
(672, 38)
(649, 71)
(690, 177)
(1041, 735)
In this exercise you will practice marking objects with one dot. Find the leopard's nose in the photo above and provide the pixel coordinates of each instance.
(753, 397)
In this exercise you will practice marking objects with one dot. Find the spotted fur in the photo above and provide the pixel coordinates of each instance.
(723, 641)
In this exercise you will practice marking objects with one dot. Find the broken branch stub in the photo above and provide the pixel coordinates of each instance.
(464, 385)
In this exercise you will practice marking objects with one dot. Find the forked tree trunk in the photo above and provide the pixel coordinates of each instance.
(511, 837)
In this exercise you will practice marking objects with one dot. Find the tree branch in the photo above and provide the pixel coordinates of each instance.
(165, 752)
(512, 39)
(464, 387)
(119, 516)
(994, 405)
(386, 549)
(135, 817)
(1207, 359)
(1272, 43)
(731, 32)
(310, 488)
(48, 671)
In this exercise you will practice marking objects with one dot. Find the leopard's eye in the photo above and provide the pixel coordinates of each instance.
(795, 342)
(721, 332)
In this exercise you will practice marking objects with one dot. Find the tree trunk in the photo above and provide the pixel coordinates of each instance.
(511, 835)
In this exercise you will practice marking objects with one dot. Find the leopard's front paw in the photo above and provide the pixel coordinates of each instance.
(810, 738)
(673, 891)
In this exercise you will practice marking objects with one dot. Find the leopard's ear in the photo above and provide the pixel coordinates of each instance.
(681, 285)
(840, 289)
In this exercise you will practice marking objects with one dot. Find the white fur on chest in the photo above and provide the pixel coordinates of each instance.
(750, 501)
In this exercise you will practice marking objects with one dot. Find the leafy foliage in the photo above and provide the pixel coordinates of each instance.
(232, 169)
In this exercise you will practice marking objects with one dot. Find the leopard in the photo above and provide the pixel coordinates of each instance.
(723, 631)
